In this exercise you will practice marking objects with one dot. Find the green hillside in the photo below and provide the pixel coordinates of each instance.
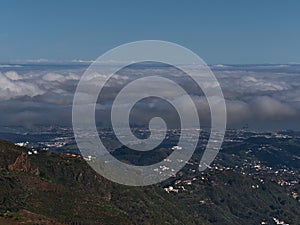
(48, 188)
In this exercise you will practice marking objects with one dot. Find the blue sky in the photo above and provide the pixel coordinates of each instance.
(218, 31)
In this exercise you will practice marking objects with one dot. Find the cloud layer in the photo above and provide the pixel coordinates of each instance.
(260, 96)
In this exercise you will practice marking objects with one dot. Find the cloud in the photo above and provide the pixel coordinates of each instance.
(238, 112)
(265, 107)
(29, 115)
(12, 75)
(12, 87)
(55, 77)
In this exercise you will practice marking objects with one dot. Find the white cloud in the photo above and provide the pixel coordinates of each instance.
(12, 75)
(11, 88)
(55, 77)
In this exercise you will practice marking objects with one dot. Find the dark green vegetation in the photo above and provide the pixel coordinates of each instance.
(49, 188)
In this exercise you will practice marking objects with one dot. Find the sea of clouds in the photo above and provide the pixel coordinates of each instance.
(258, 96)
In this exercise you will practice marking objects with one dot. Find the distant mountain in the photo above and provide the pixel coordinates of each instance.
(47, 188)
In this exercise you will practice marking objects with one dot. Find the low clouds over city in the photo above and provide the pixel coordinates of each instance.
(257, 96)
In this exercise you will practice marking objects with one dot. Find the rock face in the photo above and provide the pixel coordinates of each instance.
(22, 164)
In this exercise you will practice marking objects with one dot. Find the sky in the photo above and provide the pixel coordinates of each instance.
(221, 32)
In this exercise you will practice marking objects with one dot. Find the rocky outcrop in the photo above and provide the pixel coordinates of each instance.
(22, 164)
